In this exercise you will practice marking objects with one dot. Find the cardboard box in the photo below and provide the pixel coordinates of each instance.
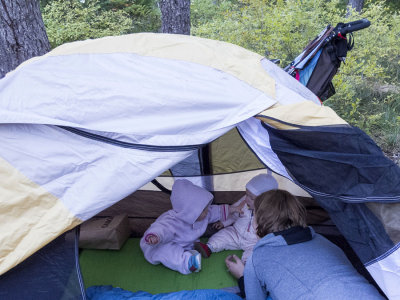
(104, 233)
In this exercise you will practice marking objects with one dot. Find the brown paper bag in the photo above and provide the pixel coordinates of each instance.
(104, 233)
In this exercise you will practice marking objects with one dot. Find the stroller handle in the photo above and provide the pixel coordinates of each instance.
(344, 28)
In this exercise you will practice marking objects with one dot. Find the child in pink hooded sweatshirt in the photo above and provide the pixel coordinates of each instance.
(239, 233)
(170, 239)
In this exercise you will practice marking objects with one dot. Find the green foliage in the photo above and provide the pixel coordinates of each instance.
(43, 3)
(203, 12)
(280, 27)
(68, 21)
(367, 85)
(144, 14)
(390, 4)
(73, 20)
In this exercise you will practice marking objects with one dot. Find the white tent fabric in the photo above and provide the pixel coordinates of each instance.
(258, 140)
(288, 89)
(86, 176)
(153, 90)
(127, 97)
(133, 106)
(386, 273)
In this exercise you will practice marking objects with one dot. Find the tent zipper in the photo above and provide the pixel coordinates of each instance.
(117, 143)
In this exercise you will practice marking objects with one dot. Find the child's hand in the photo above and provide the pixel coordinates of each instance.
(237, 209)
(235, 266)
(218, 225)
(151, 239)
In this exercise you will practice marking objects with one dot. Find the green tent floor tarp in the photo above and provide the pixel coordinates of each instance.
(128, 269)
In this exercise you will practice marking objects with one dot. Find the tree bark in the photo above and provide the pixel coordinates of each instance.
(175, 16)
(22, 33)
(356, 4)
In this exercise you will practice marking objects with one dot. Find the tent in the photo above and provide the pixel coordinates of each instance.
(91, 122)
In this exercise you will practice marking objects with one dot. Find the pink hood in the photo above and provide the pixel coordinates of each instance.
(189, 200)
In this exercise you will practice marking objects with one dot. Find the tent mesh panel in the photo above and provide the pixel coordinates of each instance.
(51, 273)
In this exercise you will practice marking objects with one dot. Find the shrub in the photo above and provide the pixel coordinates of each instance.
(68, 21)
(367, 84)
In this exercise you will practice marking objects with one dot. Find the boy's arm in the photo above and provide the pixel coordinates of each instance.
(252, 285)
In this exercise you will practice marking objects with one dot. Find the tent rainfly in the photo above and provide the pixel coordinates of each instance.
(91, 122)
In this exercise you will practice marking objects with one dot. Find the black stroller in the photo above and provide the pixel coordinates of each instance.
(321, 58)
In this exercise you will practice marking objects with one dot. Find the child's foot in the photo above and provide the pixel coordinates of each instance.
(204, 250)
(194, 261)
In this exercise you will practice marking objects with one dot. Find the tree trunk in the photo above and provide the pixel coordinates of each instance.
(175, 16)
(22, 33)
(356, 4)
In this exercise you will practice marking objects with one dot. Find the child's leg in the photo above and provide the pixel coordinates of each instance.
(172, 256)
(225, 239)
(247, 243)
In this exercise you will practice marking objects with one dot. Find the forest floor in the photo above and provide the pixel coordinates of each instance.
(395, 156)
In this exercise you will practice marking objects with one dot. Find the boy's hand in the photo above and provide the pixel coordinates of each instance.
(237, 209)
(217, 225)
(151, 239)
(235, 266)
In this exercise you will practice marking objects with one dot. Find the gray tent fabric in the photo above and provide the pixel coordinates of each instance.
(338, 161)
(361, 228)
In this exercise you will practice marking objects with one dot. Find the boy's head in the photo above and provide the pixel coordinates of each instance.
(258, 185)
(278, 210)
